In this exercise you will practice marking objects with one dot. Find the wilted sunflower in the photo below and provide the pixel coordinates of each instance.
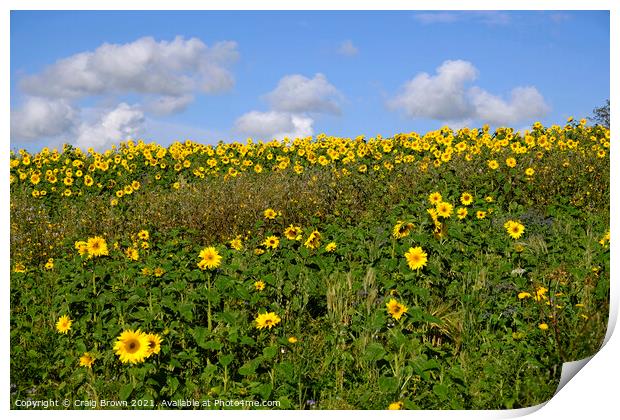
(267, 320)
(416, 258)
(401, 229)
(96, 247)
(293, 233)
(395, 309)
(313, 240)
(63, 325)
(209, 258)
(87, 360)
(132, 346)
(19, 268)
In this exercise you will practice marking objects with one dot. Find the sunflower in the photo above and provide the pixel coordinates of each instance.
(209, 258)
(63, 325)
(416, 258)
(514, 229)
(435, 198)
(154, 344)
(87, 360)
(313, 240)
(96, 247)
(493, 164)
(466, 198)
(259, 285)
(401, 229)
(272, 242)
(19, 268)
(444, 209)
(267, 320)
(398, 405)
(461, 213)
(270, 214)
(158, 272)
(524, 295)
(132, 254)
(132, 346)
(529, 172)
(49, 264)
(543, 326)
(481, 214)
(511, 162)
(395, 309)
(236, 244)
(330, 247)
(293, 233)
(144, 235)
(292, 339)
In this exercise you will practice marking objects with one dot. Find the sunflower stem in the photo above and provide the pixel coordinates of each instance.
(209, 322)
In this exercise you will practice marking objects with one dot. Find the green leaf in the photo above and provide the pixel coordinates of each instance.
(125, 392)
(374, 352)
(441, 391)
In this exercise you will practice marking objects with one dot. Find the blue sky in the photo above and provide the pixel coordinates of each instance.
(213, 76)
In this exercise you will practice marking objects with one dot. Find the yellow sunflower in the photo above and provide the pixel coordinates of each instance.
(330, 247)
(466, 198)
(63, 325)
(144, 235)
(272, 242)
(236, 244)
(267, 320)
(87, 360)
(395, 309)
(270, 214)
(398, 405)
(259, 285)
(132, 346)
(461, 213)
(154, 342)
(209, 258)
(444, 209)
(416, 258)
(435, 198)
(514, 229)
(96, 247)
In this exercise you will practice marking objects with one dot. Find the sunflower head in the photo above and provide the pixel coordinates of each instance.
(63, 325)
(267, 320)
(132, 346)
(96, 247)
(87, 360)
(416, 258)
(209, 258)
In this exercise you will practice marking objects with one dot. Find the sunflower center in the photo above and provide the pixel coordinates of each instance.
(132, 346)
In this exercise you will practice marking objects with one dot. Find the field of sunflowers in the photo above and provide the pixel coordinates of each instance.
(450, 270)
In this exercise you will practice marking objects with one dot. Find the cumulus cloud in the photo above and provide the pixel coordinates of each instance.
(347, 48)
(441, 96)
(110, 127)
(525, 103)
(297, 93)
(169, 68)
(165, 76)
(39, 117)
(274, 124)
(446, 96)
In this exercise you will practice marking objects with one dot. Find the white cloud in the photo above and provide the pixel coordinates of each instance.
(296, 93)
(39, 117)
(525, 103)
(347, 48)
(436, 17)
(446, 97)
(440, 97)
(119, 124)
(164, 105)
(169, 68)
(274, 124)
